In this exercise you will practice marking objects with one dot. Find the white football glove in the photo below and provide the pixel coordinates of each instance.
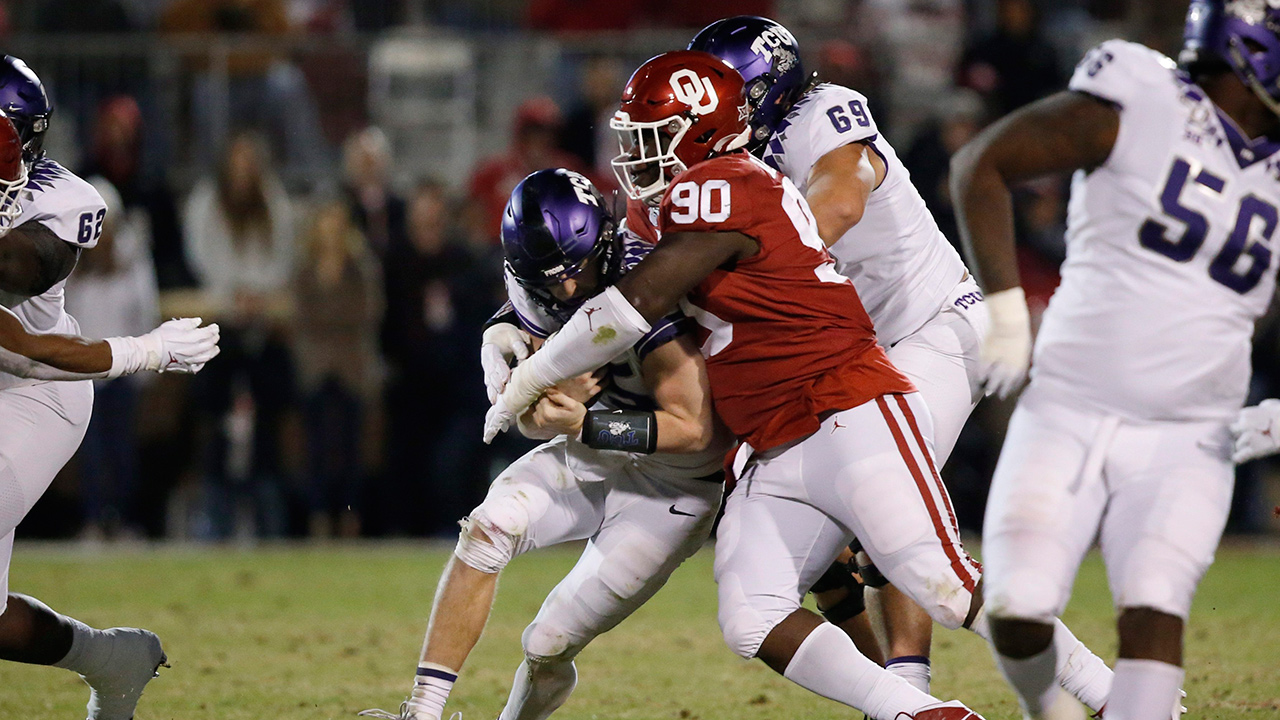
(1256, 431)
(501, 342)
(1006, 349)
(180, 346)
(521, 392)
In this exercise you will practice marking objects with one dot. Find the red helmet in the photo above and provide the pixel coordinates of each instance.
(678, 109)
(13, 172)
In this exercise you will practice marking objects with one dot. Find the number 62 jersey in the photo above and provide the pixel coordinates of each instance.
(1170, 251)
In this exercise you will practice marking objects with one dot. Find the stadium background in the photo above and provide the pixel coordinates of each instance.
(324, 177)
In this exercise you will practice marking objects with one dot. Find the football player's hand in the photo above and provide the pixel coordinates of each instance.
(501, 343)
(521, 392)
(584, 387)
(1006, 349)
(555, 414)
(180, 346)
(1256, 431)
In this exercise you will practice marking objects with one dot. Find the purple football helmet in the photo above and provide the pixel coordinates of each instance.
(767, 56)
(557, 224)
(1245, 34)
(23, 99)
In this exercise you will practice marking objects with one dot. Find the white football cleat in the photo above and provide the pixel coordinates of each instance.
(406, 713)
(136, 657)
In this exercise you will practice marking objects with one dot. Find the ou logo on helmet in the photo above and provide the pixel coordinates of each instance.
(695, 91)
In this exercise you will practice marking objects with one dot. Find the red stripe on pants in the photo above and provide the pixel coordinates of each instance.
(958, 565)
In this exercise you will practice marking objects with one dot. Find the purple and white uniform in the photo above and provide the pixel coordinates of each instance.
(642, 515)
(927, 310)
(1142, 357)
(42, 423)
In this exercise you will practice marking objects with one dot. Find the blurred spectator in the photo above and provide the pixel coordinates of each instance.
(586, 133)
(239, 241)
(1015, 64)
(239, 227)
(533, 147)
(375, 206)
(113, 293)
(583, 15)
(429, 336)
(337, 301)
(928, 159)
(116, 154)
(263, 91)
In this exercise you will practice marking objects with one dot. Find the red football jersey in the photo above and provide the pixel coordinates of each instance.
(785, 336)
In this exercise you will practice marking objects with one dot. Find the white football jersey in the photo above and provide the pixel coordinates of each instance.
(898, 259)
(627, 389)
(74, 211)
(1170, 248)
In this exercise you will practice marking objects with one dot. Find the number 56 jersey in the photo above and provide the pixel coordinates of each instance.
(1170, 251)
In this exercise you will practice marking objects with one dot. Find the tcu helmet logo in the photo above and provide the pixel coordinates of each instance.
(695, 91)
(581, 187)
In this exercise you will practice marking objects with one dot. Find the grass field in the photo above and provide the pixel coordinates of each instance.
(321, 632)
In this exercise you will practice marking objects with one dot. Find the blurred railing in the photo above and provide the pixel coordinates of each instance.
(445, 99)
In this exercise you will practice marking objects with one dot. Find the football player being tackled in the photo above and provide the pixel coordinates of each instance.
(834, 439)
(643, 510)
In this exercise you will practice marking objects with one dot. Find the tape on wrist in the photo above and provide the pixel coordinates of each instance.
(632, 431)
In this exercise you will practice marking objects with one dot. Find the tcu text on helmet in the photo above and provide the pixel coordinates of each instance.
(769, 39)
(695, 90)
(581, 186)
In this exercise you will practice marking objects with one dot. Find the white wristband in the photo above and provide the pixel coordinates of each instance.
(130, 355)
(1008, 308)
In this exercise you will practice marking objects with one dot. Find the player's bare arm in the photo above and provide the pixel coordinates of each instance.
(33, 259)
(1061, 133)
(677, 265)
(840, 184)
(678, 380)
(24, 352)
(176, 346)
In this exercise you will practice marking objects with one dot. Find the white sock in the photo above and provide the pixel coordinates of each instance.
(90, 652)
(1079, 671)
(912, 668)
(431, 688)
(829, 664)
(539, 689)
(1032, 679)
(1144, 690)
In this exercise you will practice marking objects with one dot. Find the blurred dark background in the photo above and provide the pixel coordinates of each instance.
(324, 178)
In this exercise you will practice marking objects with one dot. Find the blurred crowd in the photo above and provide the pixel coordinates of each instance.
(348, 400)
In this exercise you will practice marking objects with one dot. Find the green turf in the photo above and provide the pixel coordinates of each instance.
(322, 632)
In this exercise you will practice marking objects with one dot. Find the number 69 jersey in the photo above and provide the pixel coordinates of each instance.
(1170, 251)
(785, 336)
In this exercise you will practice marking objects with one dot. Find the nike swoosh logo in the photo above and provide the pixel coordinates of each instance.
(674, 511)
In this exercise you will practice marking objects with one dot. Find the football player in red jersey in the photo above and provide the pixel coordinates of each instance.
(835, 441)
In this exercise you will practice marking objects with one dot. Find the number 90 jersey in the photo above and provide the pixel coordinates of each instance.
(785, 336)
(1170, 251)
(74, 211)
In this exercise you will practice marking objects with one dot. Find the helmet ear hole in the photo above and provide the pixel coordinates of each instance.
(705, 137)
